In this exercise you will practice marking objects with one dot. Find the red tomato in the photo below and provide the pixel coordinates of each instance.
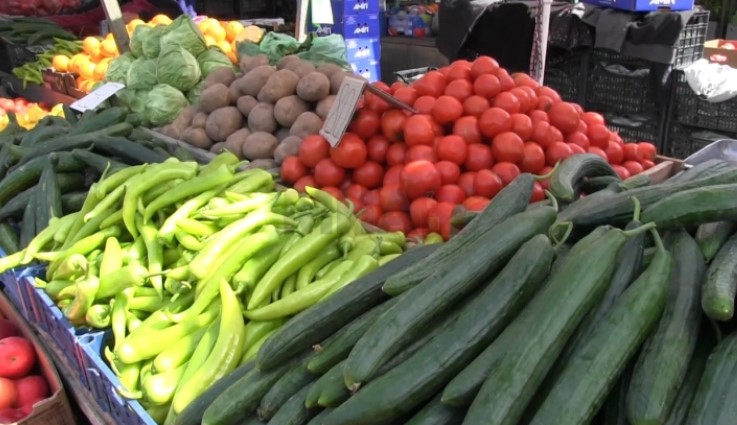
(418, 234)
(531, 94)
(366, 124)
(460, 89)
(393, 175)
(579, 139)
(396, 86)
(540, 133)
(564, 117)
(598, 135)
(356, 193)
(592, 118)
(392, 198)
(506, 82)
(487, 86)
(538, 115)
(631, 152)
(350, 153)
(371, 214)
(578, 108)
(554, 135)
(583, 127)
(459, 71)
(647, 151)
(439, 219)
(523, 80)
(544, 104)
(444, 70)
(450, 193)
(407, 95)
(598, 151)
(370, 175)
(337, 193)
(418, 130)
(556, 152)
(466, 182)
(522, 125)
(468, 129)
(479, 157)
(452, 148)
(549, 93)
(576, 148)
(622, 172)
(421, 153)
(419, 210)
(487, 184)
(449, 172)
(508, 146)
(420, 178)
(614, 136)
(305, 181)
(538, 192)
(475, 105)
(614, 153)
(475, 203)
(313, 149)
(328, 173)
(424, 104)
(372, 197)
(484, 65)
(447, 109)
(375, 103)
(506, 171)
(395, 221)
(507, 101)
(494, 121)
(376, 148)
(633, 167)
(534, 158)
(647, 164)
(292, 169)
(392, 124)
(525, 101)
(396, 153)
(431, 84)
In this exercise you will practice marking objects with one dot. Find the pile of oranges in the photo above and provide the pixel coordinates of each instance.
(222, 34)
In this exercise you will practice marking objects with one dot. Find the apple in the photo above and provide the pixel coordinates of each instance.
(17, 357)
(11, 415)
(8, 393)
(31, 389)
(7, 328)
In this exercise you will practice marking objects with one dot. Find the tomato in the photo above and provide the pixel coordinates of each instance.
(647, 164)
(305, 181)
(537, 116)
(292, 169)
(392, 124)
(376, 148)
(633, 167)
(452, 148)
(475, 203)
(418, 130)
(494, 121)
(459, 71)
(556, 152)
(444, 70)
(449, 172)
(484, 65)
(313, 149)
(583, 127)
(418, 234)
(366, 124)
(407, 95)
(356, 193)
(549, 93)
(369, 175)
(420, 178)
(576, 148)
(522, 125)
(506, 81)
(538, 192)
(508, 146)
(631, 152)
(614, 136)
(554, 135)
(544, 104)
(507, 101)
(487, 184)
(421, 152)
(591, 118)
(475, 105)
(450, 193)
(460, 89)
(598, 151)
(328, 173)
(393, 175)
(375, 103)
(337, 193)
(396, 86)
(506, 171)
(447, 109)
(564, 117)
(424, 104)
(395, 221)
(523, 80)
(372, 197)
(431, 84)
(466, 182)
(540, 132)
(525, 102)
(614, 152)
(396, 154)
(439, 219)
(371, 214)
(468, 129)
(419, 209)
(579, 139)
(578, 108)
(350, 153)
(647, 151)
(393, 198)
(534, 158)
(598, 135)
(487, 86)
(479, 157)
(622, 172)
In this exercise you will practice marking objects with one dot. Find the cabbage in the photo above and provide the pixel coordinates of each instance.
(193, 95)
(152, 42)
(184, 33)
(134, 100)
(139, 35)
(212, 59)
(118, 70)
(164, 103)
(142, 74)
(178, 68)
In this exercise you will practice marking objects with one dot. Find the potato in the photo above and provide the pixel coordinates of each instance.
(222, 75)
(329, 69)
(214, 97)
(313, 87)
(218, 147)
(185, 117)
(261, 118)
(336, 80)
(223, 122)
(324, 106)
(246, 104)
(281, 134)
(247, 63)
(266, 164)
(172, 131)
(197, 137)
(287, 109)
(252, 82)
(234, 142)
(286, 61)
(307, 123)
(287, 147)
(234, 91)
(282, 83)
(199, 120)
(302, 68)
(259, 145)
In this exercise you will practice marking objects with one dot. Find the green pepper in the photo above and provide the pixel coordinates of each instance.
(64, 227)
(85, 297)
(147, 303)
(287, 197)
(383, 260)
(54, 288)
(126, 277)
(159, 388)
(188, 241)
(395, 237)
(255, 331)
(251, 202)
(109, 202)
(252, 350)
(362, 267)
(307, 273)
(101, 189)
(112, 257)
(98, 316)
(71, 268)
(197, 228)
(135, 252)
(119, 315)
(224, 158)
(387, 247)
(155, 257)
(166, 232)
(257, 180)
(305, 224)
(255, 268)
(128, 374)
(328, 201)
(45, 237)
(112, 220)
(179, 353)
(289, 286)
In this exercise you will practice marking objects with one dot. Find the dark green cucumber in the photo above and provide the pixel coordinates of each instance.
(686, 392)
(318, 420)
(294, 411)
(27, 175)
(131, 152)
(288, 385)
(476, 324)
(715, 401)
(720, 285)
(614, 410)
(105, 118)
(442, 290)
(192, 414)
(70, 115)
(567, 179)
(72, 202)
(42, 133)
(509, 201)
(699, 171)
(97, 162)
(437, 413)
(9, 238)
(579, 392)
(28, 229)
(69, 142)
(595, 184)
(653, 388)
(15, 206)
(518, 360)
(316, 323)
(48, 195)
(711, 237)
(327, 381)
(253, 420)
(694, 207)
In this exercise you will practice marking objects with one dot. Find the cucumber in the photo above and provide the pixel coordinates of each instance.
(294, 411)
(702, 170)
(103, 119)
(285, 387)
(595, 367)
(41, 134)
(70, 142)
(14, 207)
(328, 382)
(322, 320)
(595, 184)
(131, 152)
(441, 291)
(711, 237)
(686, 392)
(437, 413)
(653, 388)
(27, 175)
(28, 228)
(614, 410)
(567, 179)
(318, 420)
(720, 285)
(72, 202)
(511, 200)
(253, 420)
(694, 207)
(715, 401)
(9, 242)
(476, 324)
(97, 162)
(48, 195)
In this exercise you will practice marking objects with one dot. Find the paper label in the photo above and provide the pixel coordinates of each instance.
(322, 12)
(96, 97)
(341, 113)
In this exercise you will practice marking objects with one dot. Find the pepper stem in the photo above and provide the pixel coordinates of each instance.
(637, 230)
(636, 215)
(540, 177)
(553, 201)
(567, 233)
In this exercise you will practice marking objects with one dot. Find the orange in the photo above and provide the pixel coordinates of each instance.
(87, 70)
(224, 46)
(108, 48)
(232, 29)
(60, 63)
(77, 61)
(209, 41)
(217, 32)
(100, 71)
(91, 46)
(161, 20)
(232, 56)
(135, 22)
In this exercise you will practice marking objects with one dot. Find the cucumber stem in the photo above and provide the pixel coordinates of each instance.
(540, 177)
(637, 230)
(717, 330)
(553, 231)
(656, 238)
(552, 200)
(636, 215)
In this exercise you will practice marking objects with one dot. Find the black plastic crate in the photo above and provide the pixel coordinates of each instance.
(684, 140)
(566, 72)
(635, 128)
(620, 84)
(690, 45)
(13, 55)
(690, 109)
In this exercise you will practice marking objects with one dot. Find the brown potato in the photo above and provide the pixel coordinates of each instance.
(214, 97)
(234, 142)
(261, 118)
(313, 87)
(260, 145)
(223, 122)
(324, 106)
(218, 147)
(287, 147)
(281, 134)
(246, 104)
(306, 124)
(287, 109)
(282, 83)
(234, 91)
(266, 164)
(252, 82)
(329, 69)
(171, 130)
(199, 120)
(302, 68)
(247, 63)
(197, 137)
(285, 62)
(336, 80)
(185, 117)
(222, 75)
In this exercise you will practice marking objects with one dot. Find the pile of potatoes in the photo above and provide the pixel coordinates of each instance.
(262, 113)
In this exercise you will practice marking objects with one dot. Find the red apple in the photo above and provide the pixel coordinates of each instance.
(8, 393)
(17, 357)
(10, 415)
(7, 328)
(31, 389)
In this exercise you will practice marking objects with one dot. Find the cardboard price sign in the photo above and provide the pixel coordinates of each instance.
(97, 96)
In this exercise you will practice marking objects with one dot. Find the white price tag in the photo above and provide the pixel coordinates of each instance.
(341, 113)
(322, 12)
(97, 96)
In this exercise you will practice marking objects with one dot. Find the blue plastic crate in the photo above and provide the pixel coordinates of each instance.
(368, 69)
(350, 26)
(25, 280)
(361, 49)
(9, 282)
(354, 7)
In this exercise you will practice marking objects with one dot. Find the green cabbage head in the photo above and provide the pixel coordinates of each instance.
(152, 43)
(178, 68)
(193, 95)
(139, 35)
(212, 59)
(142, 74)
(134, 100)
(118, 70)
(164, 103)
(184, 33)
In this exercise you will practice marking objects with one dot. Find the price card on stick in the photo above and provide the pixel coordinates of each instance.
(97, 96)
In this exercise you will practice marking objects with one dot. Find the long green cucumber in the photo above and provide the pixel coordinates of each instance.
(480, 320)
(720, 285)
(511, 200)
(653, 388)
(285, 387)
(694, 207)
(614, 410)
(686, 392)
(711, 237)
(318, 420)
(702, 170)
(324, 382)
(595, 184)
(437, 413)
(320, 321)
(27, 175)
(294, 411)
(567, 179)
(441, 291)
(9, 241)
(14, 207)
(715, 402)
